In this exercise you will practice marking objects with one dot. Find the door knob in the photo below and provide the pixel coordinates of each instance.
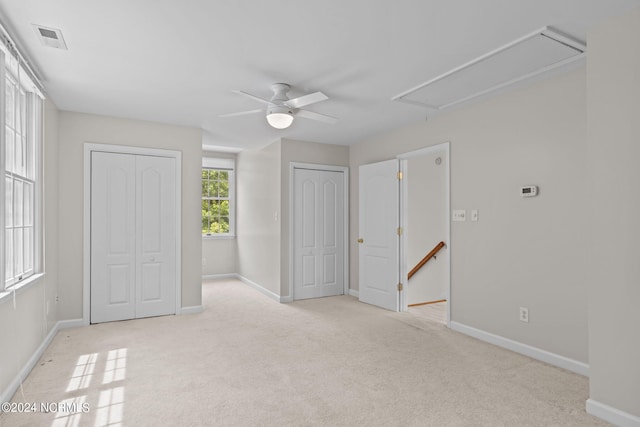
(361, 240)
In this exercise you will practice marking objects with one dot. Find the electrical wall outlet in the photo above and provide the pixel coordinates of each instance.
(474, 215)
(524, 314)
(459, 215)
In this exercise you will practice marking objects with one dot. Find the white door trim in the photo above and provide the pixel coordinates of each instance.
(90, 147)
(329, 168)
(446, 146)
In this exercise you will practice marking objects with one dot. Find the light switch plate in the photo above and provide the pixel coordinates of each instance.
(459, 215)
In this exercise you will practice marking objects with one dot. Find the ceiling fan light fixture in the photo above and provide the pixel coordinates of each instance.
(281, 110)
(280, 118)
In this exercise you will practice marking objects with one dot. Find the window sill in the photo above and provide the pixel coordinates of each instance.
(214, 237)
(20, 287)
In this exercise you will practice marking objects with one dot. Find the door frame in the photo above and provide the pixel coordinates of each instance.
(89, 148)
(325, 168)
(446, 147)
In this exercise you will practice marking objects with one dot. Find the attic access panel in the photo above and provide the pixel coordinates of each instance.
(524, 58)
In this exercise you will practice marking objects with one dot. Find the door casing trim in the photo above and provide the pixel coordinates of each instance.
(90, 147)
(328, 168)
(404, 211)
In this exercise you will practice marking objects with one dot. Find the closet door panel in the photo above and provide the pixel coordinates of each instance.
(155, 236)
(112, 237)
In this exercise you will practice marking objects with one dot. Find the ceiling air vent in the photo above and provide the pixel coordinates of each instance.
(50, 37)
(521, 59)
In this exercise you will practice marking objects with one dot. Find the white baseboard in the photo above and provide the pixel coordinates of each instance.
(533, 352)
(254, 285)
(72, 323)
(195, 309)
(8, 393)
(611, 414)
(261, 289)
(219, 276)
(354, 293)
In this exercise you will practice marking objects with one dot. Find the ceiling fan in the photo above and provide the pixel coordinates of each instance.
(281, 110)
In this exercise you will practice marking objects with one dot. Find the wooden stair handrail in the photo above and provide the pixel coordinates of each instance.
(424, 260)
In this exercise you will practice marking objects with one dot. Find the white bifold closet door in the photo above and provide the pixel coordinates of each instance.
(319, 229)
(133, 236)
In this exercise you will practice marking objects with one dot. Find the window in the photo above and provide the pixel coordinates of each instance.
(218, 197)
(21, 128)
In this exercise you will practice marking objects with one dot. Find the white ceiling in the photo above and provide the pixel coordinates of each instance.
(177, 61)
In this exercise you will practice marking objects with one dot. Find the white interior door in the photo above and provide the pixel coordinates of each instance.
(379, 256)
(319, 228)
(132, 236)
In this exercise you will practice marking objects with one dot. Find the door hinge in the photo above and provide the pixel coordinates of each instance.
(400, 175)
(399, 287)
(399, 231)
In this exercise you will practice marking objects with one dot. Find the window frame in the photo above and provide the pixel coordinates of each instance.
(12, 68)
(226, 165)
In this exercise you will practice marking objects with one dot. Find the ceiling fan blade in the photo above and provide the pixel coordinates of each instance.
(316, 116)
(301, 101)
(257, 98)
(241, 113)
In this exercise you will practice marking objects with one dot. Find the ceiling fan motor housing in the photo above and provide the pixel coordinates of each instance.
(280, 91)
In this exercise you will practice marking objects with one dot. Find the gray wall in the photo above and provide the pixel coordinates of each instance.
(78, 128)
(220, 256)
(614, 232)
(522, 252)
(258, 216)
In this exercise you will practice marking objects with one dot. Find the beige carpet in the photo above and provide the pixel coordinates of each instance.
(248, 361)
(435, 312)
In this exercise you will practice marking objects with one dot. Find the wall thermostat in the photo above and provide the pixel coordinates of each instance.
(529, 191)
